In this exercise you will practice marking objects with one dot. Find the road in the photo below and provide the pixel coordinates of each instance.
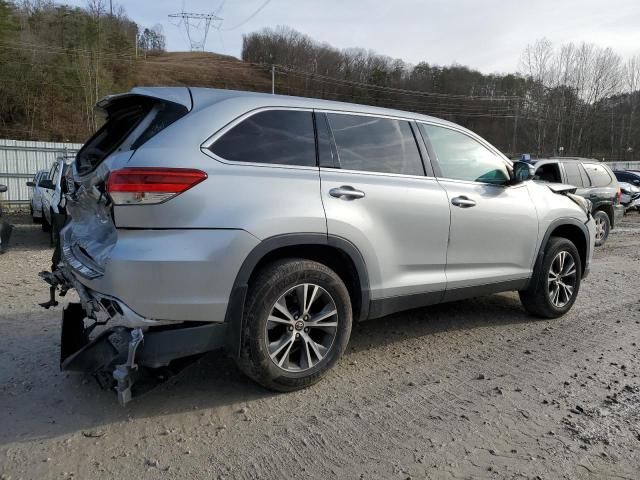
(473, 389)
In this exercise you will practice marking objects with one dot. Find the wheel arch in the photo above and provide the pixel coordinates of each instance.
(335, 252)
(571, 229)
(608, 209)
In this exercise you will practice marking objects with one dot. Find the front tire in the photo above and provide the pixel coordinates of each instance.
(603, 227)
(297, 324)
(555, 282)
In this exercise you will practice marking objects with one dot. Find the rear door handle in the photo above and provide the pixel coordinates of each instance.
(463, 202)
(346, 192)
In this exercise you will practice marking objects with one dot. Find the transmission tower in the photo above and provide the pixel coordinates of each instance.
(197, 26)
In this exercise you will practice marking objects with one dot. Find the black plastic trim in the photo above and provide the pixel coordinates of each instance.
(382, 307)
(558, 223)
(486, 289)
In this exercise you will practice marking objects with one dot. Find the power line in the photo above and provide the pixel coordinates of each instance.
(260, 8)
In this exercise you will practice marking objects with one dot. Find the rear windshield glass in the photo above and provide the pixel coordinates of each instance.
(598, 175)
(123, 116)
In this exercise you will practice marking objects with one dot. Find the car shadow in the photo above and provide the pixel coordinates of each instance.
(26, 235)
(57, 404)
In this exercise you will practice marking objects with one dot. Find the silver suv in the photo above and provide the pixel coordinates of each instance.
(267, 225)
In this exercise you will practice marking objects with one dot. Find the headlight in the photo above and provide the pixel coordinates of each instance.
(582, 202)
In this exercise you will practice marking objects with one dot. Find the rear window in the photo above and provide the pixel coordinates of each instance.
(278, 137)
(123, 116)
(598, 174)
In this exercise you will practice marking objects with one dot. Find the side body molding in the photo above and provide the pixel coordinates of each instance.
(235, 309)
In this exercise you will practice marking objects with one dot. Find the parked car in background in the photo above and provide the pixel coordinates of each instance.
(628, 176)
(35, 206)
(267, 225)
(630, 197)
(53, 212)
(594, 181)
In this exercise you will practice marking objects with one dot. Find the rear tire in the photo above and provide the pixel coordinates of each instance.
(291, 338)
(554, 278)
(603, 227)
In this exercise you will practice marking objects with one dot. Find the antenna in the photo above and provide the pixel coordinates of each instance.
(197, 26)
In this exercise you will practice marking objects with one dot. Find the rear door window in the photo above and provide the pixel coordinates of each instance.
(598, 175)
(276, 137)
(374, 144)
(572, 169)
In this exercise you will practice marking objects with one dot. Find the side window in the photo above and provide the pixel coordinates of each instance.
(572, 170)
(284, 137)
(373, 144)
(598, 175)
(460, 157)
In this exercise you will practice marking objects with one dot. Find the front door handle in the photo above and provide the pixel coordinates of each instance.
(463, 202)
(346, 192)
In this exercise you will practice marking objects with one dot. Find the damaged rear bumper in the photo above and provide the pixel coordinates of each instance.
(118, 356)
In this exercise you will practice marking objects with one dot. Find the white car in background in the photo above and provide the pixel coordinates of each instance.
(36, 195)
(53, 212)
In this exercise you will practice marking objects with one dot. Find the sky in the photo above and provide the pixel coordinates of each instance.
(487, 35)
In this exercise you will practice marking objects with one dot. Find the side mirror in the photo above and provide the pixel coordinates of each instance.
(3, 188)
(46, 183)
(522, 171)
(31, 184)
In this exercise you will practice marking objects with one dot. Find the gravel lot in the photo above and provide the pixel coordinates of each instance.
(474, 389)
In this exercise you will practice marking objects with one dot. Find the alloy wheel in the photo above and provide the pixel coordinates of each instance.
(301, 327)
(562, 279)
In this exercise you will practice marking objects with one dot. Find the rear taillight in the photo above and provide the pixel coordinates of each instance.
(144, 186)
(618, 195)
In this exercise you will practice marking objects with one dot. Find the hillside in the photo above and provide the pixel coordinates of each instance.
(201, 69)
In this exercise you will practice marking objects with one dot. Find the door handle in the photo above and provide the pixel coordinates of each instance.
(346, 192)
(463, 202)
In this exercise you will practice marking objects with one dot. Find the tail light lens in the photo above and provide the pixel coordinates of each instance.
(145, 186)
(619, 194)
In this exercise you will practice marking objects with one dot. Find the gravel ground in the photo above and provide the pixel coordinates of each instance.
(473, 389)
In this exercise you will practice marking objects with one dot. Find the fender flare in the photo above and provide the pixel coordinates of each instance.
(235, 308)
(558, 222)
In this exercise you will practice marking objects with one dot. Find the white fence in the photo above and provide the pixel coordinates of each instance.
(20, 160)
(624, 165)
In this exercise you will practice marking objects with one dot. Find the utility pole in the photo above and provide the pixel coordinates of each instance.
(273, 79)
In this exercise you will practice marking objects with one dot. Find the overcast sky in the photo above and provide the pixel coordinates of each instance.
(488, 35)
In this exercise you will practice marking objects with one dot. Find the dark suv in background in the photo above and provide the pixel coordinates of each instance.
(594, 181)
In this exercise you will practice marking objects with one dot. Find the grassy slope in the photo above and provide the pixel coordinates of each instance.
(201, 69)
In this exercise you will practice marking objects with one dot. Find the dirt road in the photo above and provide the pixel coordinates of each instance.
(474, 389)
